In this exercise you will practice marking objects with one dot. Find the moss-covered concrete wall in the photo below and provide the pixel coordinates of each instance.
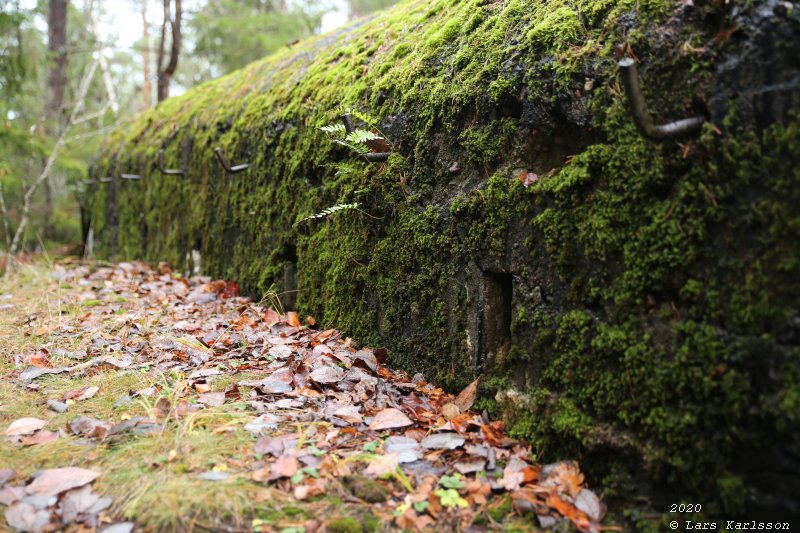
(636, 306)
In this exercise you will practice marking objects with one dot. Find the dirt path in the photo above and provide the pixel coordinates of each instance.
(139, 398)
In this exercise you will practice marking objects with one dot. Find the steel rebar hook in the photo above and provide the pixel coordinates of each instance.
(224, 162)
(106, 179)
(641, 116)
(168, 171)
(130, 176)
(374, 157)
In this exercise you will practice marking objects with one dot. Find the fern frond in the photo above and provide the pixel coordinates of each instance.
(336, 130)
(360, 136)
(328, 212)
(364, 117)
(360, 149)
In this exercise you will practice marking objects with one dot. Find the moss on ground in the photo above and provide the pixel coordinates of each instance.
(655, 286)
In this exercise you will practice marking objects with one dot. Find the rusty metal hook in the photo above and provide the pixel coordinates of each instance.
(106, 179)
(641, 116)
(130, 176)
(168, 171)
(374, 157)
(224, 162)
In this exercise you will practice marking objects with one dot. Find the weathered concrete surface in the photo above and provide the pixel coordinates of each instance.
(635, 306)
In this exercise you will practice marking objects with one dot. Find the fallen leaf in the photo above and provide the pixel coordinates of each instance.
(407, 449)
(40, 437)
(89, 427)
(382, 465)
(528, 178)
(212, 399)
(40, 359)
(57, 480)
(513, 474)
(443, 441)
(590, 504)
(284, 466)
(389, 418)
(24, 426)
(25, 517)
(450, 411)
(349, 413)
(292, 319)
(327, 374)
(466, 397)
(80, 394)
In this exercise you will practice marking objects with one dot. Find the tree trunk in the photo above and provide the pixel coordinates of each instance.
(146, 97)
(57, 49)
(56, 83)
(165, 73)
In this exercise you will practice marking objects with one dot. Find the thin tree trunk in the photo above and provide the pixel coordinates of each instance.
(80, 98)
(165, 73)
(146, 97)
(57, 50)
(56, 83)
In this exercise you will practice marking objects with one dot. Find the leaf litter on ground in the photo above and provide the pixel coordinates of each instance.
(325, 415)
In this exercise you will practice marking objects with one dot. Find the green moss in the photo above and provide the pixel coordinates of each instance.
(344, 525)
(561, 27)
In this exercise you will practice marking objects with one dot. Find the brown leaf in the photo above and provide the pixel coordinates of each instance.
(40, 359)
(80, 394)
(57, 480)
(212, 399)
(89, 427)
(466, 397)
(270, 317)
(450, 411)
(327, 374)
(24, 426)
(284, 466)
(389, 418)
(382, 355)
(292, 319)
(40, 437)
(382, 465)
(528, 178)
(513, 474)
(349, 413)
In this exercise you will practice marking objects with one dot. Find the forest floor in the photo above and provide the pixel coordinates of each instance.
(133, 398)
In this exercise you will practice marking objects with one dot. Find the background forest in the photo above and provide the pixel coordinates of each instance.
(70, 71)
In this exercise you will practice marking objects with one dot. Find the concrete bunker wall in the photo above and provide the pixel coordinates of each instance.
(636, 304)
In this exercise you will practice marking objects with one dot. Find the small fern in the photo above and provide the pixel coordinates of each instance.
(335, 130)
(328, 212)
(363, 117)
(358, 140)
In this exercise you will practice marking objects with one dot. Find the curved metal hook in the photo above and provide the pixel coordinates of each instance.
(641, 116)
(168, 171)
(224, 162)
(106, 179)
(130, 176)
(374, 157)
